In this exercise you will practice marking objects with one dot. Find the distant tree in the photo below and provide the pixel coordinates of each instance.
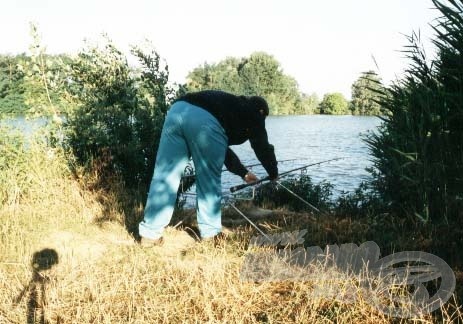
(262, 75)
(11, 85)
(46, 78)
(223, 75)
(227, 76)
(201, 78)
(334, 104)
(259, 74)
(310, 104)
(366, 93)
(35, 84)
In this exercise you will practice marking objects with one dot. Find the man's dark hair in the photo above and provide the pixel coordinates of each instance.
(260, 104)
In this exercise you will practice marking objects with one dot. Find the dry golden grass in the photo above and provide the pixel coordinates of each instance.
(102, 276)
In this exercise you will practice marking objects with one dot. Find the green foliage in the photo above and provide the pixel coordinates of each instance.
(362, 202)
(366, 94)
(259, 74)
(310, 104)
(36, 84)
(46, 80)
(223, 75)
(274, 196)
(334, 104)
(11, 89)
(418, 152)
(118, 125)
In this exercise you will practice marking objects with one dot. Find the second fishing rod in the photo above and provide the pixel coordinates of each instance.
(245, 185)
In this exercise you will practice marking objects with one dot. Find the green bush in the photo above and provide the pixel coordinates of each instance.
(274, 196)
(117, 127)
(362, 202)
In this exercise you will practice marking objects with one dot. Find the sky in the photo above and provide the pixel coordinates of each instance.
(324, 45)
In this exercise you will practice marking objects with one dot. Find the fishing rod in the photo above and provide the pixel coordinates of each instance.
(245, 185)
(246, 166)
(280, 161)
(233, 189)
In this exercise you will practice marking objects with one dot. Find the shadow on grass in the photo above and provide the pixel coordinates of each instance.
(35, 290)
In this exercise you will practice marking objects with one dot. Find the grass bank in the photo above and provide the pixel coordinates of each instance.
(66, 257)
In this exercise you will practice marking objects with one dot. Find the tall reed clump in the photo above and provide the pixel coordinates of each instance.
(418, 151)
(37, 193)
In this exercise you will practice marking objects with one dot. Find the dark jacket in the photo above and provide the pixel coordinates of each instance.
(242, 120)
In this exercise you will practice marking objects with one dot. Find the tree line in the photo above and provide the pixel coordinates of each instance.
(261, 74)
(22, 85)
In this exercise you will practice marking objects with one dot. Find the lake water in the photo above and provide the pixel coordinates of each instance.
(25, 125)
(314, 138)
(304, 140)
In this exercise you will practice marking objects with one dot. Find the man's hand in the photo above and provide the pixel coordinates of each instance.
(250, 177)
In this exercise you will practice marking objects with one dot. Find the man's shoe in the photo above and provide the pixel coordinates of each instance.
(146, 242)
(217, 239)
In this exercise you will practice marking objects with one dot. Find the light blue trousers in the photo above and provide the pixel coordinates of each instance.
(188, 131)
